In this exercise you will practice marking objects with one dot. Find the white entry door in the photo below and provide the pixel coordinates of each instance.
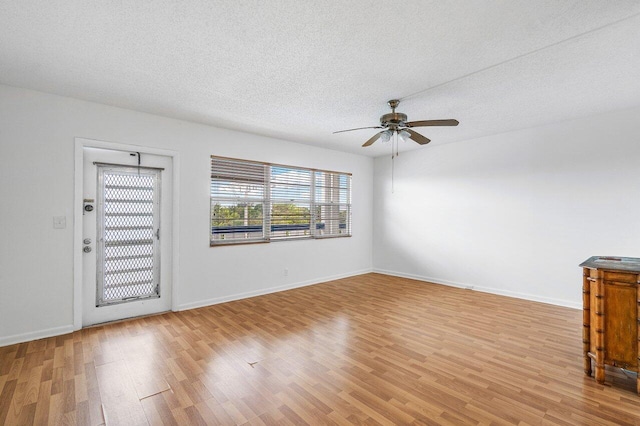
(126, 235)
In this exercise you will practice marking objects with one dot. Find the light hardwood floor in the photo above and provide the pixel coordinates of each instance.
(370, 349)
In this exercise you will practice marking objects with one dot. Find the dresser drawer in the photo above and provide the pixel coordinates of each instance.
(621, 277)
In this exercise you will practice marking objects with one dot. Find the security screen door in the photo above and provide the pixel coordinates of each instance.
(128, 243)
(126, 247)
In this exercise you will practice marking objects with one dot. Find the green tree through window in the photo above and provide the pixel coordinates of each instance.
(258, 202)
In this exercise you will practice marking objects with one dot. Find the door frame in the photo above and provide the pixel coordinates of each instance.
(78, 197)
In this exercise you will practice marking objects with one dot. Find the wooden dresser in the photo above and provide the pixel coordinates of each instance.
(611, 311)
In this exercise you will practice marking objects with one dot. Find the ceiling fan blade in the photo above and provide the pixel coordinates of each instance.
(358, 128)
(425, 123)
(373, 139)
(417, 137)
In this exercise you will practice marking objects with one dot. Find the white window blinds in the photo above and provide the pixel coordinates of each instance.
(290, 202)
(237, 201)
(332, 204)
(259, 202)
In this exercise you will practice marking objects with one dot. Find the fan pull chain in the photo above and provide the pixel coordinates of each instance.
(394, 154)
(392, 188)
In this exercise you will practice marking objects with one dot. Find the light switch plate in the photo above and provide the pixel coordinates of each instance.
(59, 222)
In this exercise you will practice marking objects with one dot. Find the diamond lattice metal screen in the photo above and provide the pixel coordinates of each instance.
(128, 234)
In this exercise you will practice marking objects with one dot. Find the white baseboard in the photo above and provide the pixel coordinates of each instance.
(500, 292)
(57, 331)
(261, 292)
(35, 335)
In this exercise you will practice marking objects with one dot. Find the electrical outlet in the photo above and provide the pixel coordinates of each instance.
(286, 272)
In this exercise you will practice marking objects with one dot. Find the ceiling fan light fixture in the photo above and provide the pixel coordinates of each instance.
(385, 136)
(404, 135)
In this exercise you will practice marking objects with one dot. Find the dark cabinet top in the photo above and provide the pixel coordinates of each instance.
(613, 263)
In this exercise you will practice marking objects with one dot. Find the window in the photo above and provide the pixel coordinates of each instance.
(260, 202)
(237, 201)
(332, 203)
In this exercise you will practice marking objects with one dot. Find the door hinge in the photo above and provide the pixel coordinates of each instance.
(158, 233)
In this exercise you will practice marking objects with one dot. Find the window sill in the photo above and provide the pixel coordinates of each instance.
(276, 240)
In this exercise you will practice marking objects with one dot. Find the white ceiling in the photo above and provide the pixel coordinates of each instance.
(299, 70)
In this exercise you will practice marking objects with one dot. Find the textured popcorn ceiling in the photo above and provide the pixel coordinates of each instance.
(300, 70)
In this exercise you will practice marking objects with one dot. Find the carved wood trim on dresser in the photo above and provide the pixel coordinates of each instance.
(611, 314)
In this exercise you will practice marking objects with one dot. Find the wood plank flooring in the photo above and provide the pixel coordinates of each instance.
(370, 349)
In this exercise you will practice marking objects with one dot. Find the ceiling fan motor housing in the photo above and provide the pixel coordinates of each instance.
(393, 119)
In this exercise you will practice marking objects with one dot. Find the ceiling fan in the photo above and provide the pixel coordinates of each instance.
(396, 122)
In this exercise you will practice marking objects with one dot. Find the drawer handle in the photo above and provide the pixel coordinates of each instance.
(591, 279)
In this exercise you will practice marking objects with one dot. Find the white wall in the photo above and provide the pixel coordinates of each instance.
(37, 134)
(513, 213)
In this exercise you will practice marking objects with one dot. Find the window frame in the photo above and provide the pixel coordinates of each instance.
(336, 199)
